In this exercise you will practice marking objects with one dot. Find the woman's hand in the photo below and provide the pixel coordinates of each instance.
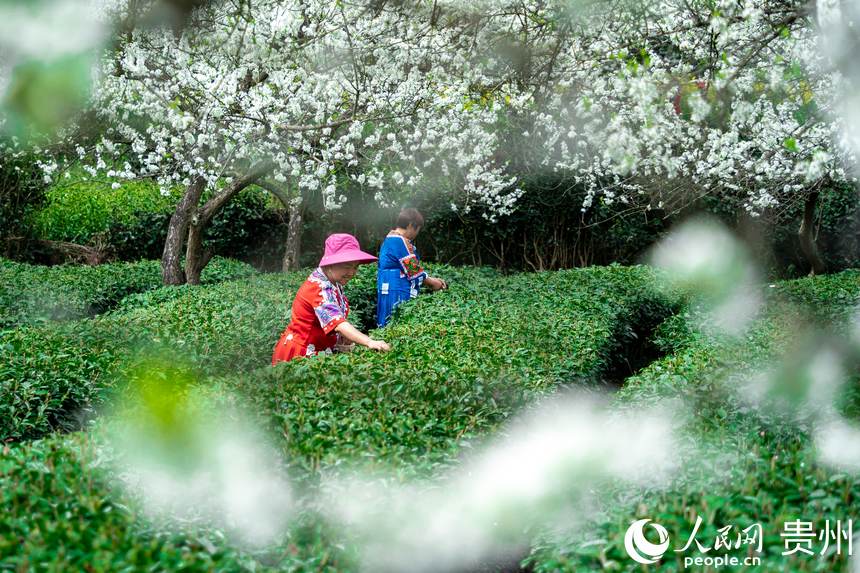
(378, 345)
(435, 283)
(352, 334)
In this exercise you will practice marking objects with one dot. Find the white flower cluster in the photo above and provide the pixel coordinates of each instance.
(386, 97)
(641, 103)
(674, 100)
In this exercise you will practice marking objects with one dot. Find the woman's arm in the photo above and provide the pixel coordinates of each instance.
(353, 334)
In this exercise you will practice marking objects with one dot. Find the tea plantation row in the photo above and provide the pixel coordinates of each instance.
(51, 375)
(33, 294)
(463, 362)
(759, 464)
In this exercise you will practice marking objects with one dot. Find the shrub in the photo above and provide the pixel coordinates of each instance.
(361, 290)
(827, 297)
(55, 371)
(238, 230)
(837, 231)
(130, 222)
(775, 234)
(46, 479)
(51, 375)
(463, 362)
(547, 229)
(33, 294)
(22, 190)
(79, 207)
(775, 476)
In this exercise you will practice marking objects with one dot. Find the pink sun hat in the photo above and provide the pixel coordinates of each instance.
(344, 248)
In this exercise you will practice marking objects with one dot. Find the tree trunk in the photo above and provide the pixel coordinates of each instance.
(807, 240)
(294, 236)
(294, 226)
(196, 258)
(171, 265)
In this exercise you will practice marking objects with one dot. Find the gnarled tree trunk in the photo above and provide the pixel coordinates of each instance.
(807, 239)
(196, 258)
(171, 264)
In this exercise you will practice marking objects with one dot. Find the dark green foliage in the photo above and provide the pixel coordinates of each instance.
(34, 294)
(22, 190)
(50, 376)
(237, 230)
(131, 222)
(547, 230)
(464, 361)
(243, 223)
(837, 231)
(141, 237)
(774, 235)
(774, 477)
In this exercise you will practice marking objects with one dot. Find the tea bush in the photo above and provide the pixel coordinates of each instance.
(54, 483)
(50, 374)
(34, 294)
(829, 297)
(463, 362)
(80, 207)
(774, 476)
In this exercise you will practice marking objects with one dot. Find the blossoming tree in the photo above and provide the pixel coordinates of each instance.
(273, 92)
(648, 104)
(658, 104)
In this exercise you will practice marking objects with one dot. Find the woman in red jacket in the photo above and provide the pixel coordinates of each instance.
(320, 309)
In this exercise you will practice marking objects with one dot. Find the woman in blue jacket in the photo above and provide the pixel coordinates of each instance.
(400, 273)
